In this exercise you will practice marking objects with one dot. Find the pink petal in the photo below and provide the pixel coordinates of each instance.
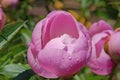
(99, 40)
(102, 65)
(114, 44)
(82, 28)
(85, 36)
(63, 24)
(54, 27)
(100, 62)
(37, 67)
(46, 27)
(83, 44)
(99, 27)
(58, 60)
(36, 43)
(46, 31)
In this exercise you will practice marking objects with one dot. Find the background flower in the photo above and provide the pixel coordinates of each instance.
(114, 46)
(100, 62)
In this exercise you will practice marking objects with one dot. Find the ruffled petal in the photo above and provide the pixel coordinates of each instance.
(36, 36)
(100, 62)
(56, 26)
(56, 58)
(114, 46)
(63, 23)
(99, 27)
(84, 36)
(46, 31)
(102, 65)
(98, 41)
(37, 67)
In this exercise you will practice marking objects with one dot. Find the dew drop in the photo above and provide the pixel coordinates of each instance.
(70, 58)
(65, 48)
(77, 60)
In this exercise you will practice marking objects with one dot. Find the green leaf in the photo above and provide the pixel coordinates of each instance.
(12, 70)
(102, 14)
(26, 75)
(26, 33)
(118, 75)
(17, 49)
(9, 31)
(17, 53)
(3, 77)
(117, 24)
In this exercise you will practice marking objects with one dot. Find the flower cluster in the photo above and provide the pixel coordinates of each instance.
(61, 46)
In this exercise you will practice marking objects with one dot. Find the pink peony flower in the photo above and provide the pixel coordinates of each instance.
(100, 62)
(60, 46)
(9, 3)
(2, 18)
(114, 45)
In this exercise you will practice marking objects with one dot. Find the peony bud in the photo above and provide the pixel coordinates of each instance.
(60, 46)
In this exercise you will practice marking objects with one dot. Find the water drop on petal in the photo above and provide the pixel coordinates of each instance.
(70, 58)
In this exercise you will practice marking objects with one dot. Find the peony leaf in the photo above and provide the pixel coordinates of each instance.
(9, 31)
(13, 70)
(25, 75)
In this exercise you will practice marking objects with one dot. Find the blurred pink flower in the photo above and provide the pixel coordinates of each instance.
(2, 18)
(9, 3)
(100, 62)
(114, 45)
(60, 46)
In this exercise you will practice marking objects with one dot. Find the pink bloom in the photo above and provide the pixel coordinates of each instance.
(114, 45)
(2, 18)
(100, 62)
(60, 46)
(9, 3)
